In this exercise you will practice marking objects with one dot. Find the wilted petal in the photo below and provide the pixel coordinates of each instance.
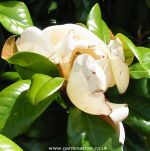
(33, 40)
(120, 71)
(86, 84)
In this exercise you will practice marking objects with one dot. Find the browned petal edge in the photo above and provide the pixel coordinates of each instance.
(9, 48)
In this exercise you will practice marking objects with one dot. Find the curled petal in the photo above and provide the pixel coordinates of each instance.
(33, 40)
(106, 66)
(86, 85)
(121, 73)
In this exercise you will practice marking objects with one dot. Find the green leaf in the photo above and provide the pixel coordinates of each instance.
(43, 86)
(6, 144)
(144, 57)
(8, 97)
(48, 124)
(142, 87)
(138, 122)
(95, 131)
(10, 76)
(138, 72)
(23, 114)
(141, 53)
(14, 16)
(96, 25)
(134, 141)
(28, 63)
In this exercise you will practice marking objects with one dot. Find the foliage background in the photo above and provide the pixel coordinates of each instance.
(130, 17)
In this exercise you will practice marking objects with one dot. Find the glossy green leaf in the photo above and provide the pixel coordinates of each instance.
(8, 145)
(138, 122)
(14, 16)
(144, 57)
(138, 72)
(9, 76)
(95, 131)
(28, 63)
(97, 25)
(8, 97)
(141, 53)
(24, 114)
(142, 87)
(43, 86)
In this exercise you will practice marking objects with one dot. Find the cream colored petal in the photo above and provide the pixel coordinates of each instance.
(33, 40)
(64, 48)
(121, 73)
(55, 34)
(116, 48)
(106, 66)
(86, 84)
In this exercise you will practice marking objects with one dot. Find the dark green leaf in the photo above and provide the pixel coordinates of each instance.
(138, 122)
(47, 126)
(134, 141)
(92, 129)
(24, 114)
(138, 72)
(8, 97)
(14, 16)
(6, 144)
(43, 86)
(97, 25)
(28, 63)
(142, 87)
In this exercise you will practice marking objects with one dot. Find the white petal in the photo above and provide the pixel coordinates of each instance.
(116, 48)
(121, 133)
(121, 73)
(86, 85)
(119, 114)
(33, 40)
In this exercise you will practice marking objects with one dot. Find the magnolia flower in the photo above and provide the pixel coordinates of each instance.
(88, 64)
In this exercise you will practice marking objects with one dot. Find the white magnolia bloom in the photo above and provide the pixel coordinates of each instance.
(88, 64)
